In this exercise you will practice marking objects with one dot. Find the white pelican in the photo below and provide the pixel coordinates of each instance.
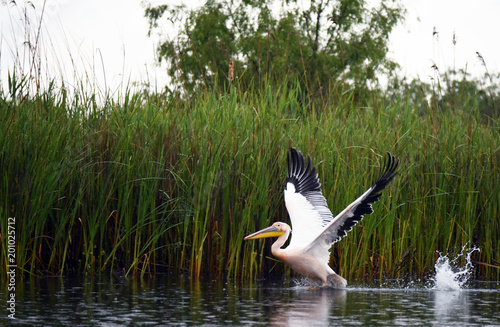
(314, 227)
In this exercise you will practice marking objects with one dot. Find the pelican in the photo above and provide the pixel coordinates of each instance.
(314, 227)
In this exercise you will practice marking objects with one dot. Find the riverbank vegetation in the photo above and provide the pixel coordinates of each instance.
(155, 182)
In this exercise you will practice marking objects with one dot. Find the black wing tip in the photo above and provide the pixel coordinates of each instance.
(301, 172)
(387, 173)
(389, 170)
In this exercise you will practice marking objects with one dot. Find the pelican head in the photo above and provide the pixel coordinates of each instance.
(277, 229)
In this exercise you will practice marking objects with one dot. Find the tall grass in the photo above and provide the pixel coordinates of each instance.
(155, 183)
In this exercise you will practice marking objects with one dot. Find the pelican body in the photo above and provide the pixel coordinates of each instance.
(314, 227)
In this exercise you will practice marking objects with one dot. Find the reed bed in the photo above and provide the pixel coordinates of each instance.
(154, 183)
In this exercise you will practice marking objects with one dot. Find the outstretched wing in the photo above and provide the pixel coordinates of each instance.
(350, 216)
(304, 201)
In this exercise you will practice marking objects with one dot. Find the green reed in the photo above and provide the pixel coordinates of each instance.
(153, 183)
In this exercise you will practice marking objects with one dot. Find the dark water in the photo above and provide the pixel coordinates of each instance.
(169, 300)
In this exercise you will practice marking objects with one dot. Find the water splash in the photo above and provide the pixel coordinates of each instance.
(305, 282)
(449, 275)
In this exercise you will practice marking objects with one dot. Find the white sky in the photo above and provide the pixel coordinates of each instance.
(475, 24)
(109, 38)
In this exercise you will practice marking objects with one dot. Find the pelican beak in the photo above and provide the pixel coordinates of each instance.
(270, 231)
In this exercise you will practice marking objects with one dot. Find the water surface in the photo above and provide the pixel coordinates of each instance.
(172, 300)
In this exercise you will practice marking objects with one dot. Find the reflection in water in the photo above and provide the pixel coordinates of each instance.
(449, 305)
(309, 307)
(170, 300)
